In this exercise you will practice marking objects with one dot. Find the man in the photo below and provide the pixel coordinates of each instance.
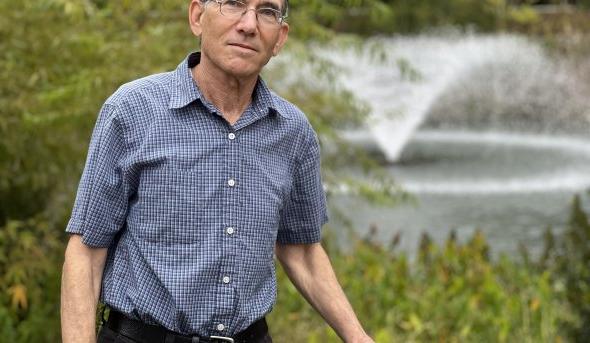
(192, 177)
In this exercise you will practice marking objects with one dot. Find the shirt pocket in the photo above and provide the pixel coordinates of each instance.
(172, 203)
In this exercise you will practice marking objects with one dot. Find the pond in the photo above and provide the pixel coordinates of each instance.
(486, 131)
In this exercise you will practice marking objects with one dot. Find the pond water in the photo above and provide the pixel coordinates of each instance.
(510, 186)
(487, 132)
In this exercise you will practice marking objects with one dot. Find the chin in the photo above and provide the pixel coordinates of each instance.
(243, 70)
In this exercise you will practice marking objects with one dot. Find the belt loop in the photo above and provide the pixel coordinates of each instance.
(195, 339)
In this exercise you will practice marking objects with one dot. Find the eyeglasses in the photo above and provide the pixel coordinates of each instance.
(235, 9)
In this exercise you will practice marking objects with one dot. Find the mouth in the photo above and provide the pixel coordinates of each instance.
(243, 46)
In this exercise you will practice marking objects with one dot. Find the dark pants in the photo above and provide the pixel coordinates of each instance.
(106, 335)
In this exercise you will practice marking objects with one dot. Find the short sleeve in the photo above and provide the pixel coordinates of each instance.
(305, 211)
(101, 202)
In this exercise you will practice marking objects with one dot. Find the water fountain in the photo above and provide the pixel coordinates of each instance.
(487, 131)
(514, 78)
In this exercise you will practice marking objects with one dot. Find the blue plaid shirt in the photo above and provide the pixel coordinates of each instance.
(190, 206)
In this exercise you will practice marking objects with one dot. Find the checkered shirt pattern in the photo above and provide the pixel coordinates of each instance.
(190, 206)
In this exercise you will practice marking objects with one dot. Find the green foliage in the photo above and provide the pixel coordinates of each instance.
(569, 259)
(319, 19)
(408, 16)
(53, 82)
(412, 16)
(450, 293)
(455, 292)
(523, 16)
(30, 252)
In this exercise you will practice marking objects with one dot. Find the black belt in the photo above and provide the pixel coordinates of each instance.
(146, 333)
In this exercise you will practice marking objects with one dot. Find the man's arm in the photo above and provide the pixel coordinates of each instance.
(80, 290)
(310, 270)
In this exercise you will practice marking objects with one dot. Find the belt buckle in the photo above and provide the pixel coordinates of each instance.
(222, 338)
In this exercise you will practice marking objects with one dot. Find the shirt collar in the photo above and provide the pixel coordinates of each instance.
(184, 90)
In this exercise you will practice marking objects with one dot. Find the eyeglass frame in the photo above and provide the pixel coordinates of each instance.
(281, 20)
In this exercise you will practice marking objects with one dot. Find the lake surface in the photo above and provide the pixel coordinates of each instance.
(510, 186)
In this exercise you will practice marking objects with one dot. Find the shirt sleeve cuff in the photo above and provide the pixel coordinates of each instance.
(89, 237)
(299, 238)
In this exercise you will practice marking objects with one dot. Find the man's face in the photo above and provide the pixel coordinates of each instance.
(238, 47)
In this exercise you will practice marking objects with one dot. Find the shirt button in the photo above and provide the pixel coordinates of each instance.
(230, 230)
(226, 279)
(220, 327)
(231, 136)
(231, 182)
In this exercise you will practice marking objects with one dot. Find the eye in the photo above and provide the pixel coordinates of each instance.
(267, 12)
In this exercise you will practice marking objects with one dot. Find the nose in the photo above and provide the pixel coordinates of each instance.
(248, 21)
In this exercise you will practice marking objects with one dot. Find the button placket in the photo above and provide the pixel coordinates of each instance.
(231, 213)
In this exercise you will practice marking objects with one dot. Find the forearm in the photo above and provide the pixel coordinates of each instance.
(315, 279)
(80, 289)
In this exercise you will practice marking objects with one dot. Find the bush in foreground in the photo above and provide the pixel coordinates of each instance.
(455, 292)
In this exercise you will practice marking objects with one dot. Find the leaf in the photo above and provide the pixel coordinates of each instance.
(416, 322)
(383, 336)
(18, 295)
(535, 304)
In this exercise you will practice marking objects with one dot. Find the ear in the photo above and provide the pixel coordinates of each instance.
(283, 34)
(195, 11)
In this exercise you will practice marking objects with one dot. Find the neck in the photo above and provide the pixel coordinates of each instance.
(229, 94)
